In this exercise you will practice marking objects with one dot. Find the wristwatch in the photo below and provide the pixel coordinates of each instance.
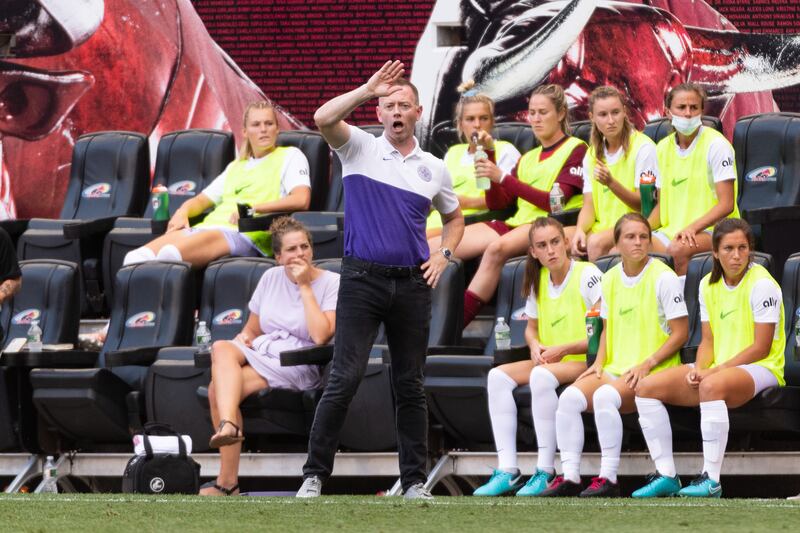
(446, 252)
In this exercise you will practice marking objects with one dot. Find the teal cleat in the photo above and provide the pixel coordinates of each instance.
(536, 484)
(702, 487)
(500, 483)
(658, 486)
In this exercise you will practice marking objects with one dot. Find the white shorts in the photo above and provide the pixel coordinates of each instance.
(762, 377)
(238, 243)
(666, 240)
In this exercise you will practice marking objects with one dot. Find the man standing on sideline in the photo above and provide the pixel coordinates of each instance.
(387, 272)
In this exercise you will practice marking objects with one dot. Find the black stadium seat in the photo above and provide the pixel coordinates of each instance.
(187, 162)
(172, 381)
(153, 307)
(49, 294)
(659, 128)
(109, 178)
(582, 130)
(316, 150)
(455, 378)
(768, 162)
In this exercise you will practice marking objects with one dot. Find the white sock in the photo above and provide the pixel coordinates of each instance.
(654, 419)
(139, 255)
(544, 402)
(682, 279)
(607, 401)
(714, 427)
(569, 432)
(169, 252)
(503, 412)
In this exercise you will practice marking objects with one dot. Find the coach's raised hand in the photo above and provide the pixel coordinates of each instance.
(382, 82)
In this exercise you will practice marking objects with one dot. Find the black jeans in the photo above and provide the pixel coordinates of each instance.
(368, 295)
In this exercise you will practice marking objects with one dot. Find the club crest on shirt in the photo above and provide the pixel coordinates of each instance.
(424, 173)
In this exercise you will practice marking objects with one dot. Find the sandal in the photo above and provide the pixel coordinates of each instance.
(222, 490)
(218, 441)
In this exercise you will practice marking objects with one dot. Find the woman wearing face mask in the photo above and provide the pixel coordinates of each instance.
(617, 159)
(698, 180)
(741, 354)
(474, 122)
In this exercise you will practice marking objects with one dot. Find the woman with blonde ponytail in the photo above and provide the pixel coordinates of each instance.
(474, 121)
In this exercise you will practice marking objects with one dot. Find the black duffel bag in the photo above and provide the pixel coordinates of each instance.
(161, 473)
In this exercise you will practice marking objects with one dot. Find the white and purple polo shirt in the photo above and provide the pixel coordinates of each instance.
(388, 198)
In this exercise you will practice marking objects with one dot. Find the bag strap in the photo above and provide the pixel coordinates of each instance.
(153, 427)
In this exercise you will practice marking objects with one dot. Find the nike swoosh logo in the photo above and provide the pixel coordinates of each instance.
(553, 324)
(388, 158)
(723, 315)
(625, 311)
(714, 490)
(675, 182)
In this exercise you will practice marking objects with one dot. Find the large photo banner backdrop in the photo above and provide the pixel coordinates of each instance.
(155, 66)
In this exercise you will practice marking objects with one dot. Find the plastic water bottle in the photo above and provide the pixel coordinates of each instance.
(49, 476)
(34, 337)
(502, 335)
(160, 200)
(481, 183)
(203, 336)
(556, 199)
(647, 192)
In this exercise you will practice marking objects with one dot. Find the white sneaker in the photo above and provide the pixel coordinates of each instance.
(417, 491)
(794, 497)
(311, 488)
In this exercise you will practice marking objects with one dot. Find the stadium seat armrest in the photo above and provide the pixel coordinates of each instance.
(512, 355)
(158, 227)
(143, 356)
(495, 214)
(454, 350)
(14, 228)
(50, 359)
(767, 215)
(259, 223)
(568, 217)
(202, 359)
(88, 228)
(688, 354)
(313, 355)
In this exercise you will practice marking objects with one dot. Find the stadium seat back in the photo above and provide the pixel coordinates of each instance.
(50, 293)
(327, 232)
(511, 303)
(187, 161)
(228, 285)
(153, 306)
(790, 288)
(316, 150)
(581, 129)
(768, 160)
(447, 306)
(661, 127)
(110, 176)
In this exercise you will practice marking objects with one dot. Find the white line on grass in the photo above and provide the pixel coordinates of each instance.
(392, 501)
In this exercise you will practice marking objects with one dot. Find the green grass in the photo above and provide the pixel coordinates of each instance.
(92, 513)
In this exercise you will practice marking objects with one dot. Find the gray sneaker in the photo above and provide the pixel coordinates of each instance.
(417, 491)
(311, 488)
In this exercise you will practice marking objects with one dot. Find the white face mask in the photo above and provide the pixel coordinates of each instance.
(686, 126)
